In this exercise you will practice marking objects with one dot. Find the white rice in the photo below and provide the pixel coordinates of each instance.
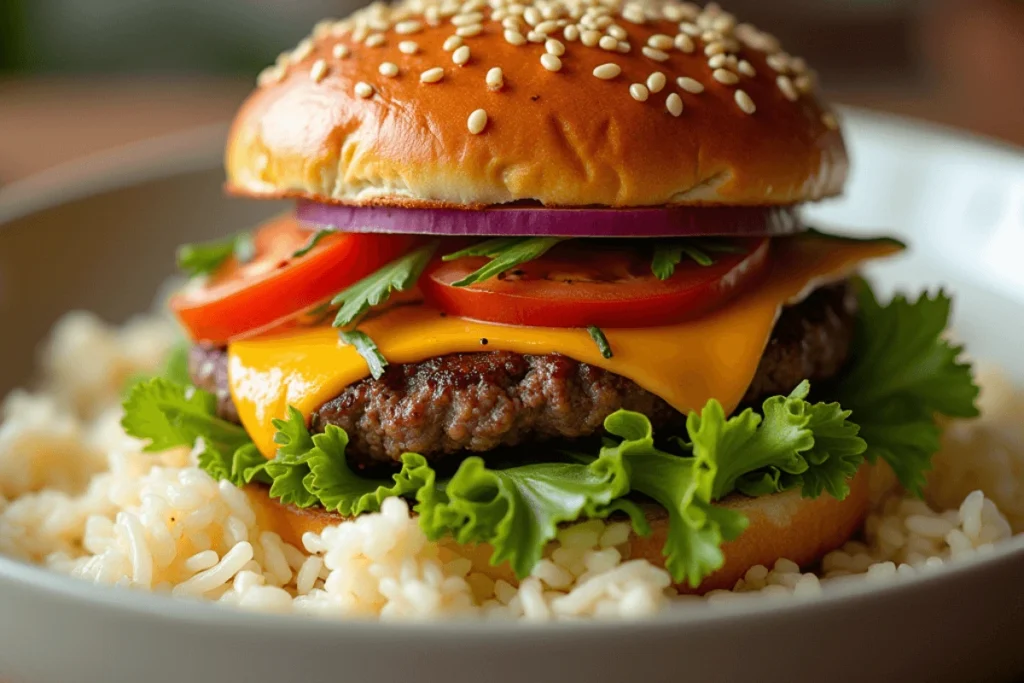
(78, 495)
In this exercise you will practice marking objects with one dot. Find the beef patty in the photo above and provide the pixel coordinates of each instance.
(481, 401)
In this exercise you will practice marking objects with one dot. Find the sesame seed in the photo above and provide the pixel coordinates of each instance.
(411, 47)
(798, 65)
(830, 120)
(389, 69)
(590, 38)
(787, 88)
(617, 32)
(550, 62)
(624, 47)
(744, 102)
(571, 33)
(469, 31)
(778, 61)
(555, 47)
(301, 51)
(511, 22)
(363, 90)
(603, 22)
(546, 27)
(607, 43)
(515, 38)
(660, 41)
(652, 53)
(690, 85)
(684, 43)
(407, 27)
(804, 84)
(318, 71)
(477, 121)
(718, 61)
(374, 40)
(656, 82)
(532, 16)
(634, 13)
(378, 24)
(674, 104)
(461, 55)
(536, 37)
(467, 19)
(272, 74)
(691, 30)
(746, 68)
(725, 77)
(711, 36)
(432, 75)
(432, 15)
(340, 51)
(639, 92)
(607, 71)
(715, 48)
(495, 78)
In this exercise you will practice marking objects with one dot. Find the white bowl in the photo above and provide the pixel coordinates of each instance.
(100, 235)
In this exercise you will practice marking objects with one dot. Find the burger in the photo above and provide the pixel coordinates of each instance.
(545, 265)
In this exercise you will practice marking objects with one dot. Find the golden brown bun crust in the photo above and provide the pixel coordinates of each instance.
(564, 138)
(783, 525)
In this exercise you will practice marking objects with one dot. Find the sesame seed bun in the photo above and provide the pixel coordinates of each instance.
(784, 525)
(386, 107)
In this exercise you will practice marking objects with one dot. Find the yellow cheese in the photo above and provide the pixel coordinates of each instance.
(715, 356)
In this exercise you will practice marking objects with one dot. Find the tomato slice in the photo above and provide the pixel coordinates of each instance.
(244, 299)
(577, 284)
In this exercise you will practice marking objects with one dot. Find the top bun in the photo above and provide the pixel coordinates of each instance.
(597, 103)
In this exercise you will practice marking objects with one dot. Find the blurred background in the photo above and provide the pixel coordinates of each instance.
(77, 76)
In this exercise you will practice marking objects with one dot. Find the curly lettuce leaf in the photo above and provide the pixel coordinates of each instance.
(682, 485)
(518, 510)
(904, 374)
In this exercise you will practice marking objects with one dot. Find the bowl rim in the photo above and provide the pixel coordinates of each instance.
(197, 150)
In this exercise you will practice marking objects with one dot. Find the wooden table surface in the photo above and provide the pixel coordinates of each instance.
(45, 122)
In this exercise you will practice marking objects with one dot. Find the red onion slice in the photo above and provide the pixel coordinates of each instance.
(676, 221)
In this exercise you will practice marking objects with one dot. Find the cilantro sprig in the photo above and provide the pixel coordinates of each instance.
(505, 253)
(398, 276)
(204, 258)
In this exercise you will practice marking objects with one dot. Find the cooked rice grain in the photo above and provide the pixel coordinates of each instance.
(79, 496)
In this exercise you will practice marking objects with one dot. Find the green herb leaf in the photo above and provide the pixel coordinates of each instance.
(373, 290)
(341, 490)
(169, 415)
(204, 258)
(505, 253)
(904, 373)
(682, 485)
(367, 348)
(292, 437)
(602, 342)
(313, 241)
(669, 255)
(518, 510)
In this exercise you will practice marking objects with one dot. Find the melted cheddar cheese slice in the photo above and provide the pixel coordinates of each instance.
(687, 363)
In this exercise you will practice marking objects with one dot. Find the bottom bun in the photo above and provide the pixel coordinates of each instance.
(783, 525)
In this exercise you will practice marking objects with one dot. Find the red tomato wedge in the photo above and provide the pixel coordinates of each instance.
(244, 299)
(577, 284)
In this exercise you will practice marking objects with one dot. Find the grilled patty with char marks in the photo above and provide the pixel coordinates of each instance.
(482, 401)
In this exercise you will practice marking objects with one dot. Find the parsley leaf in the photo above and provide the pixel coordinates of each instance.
(376, 288)
(602, 341)
(204, 258)
(669, 255)
(903, 374)
(367, 348)
(314, 240)
(505, 253)
(170, 415)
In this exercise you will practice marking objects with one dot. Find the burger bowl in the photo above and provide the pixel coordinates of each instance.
(71, 239)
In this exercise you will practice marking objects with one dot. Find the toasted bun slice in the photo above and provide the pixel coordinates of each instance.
(383, 108)
(783, 525)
